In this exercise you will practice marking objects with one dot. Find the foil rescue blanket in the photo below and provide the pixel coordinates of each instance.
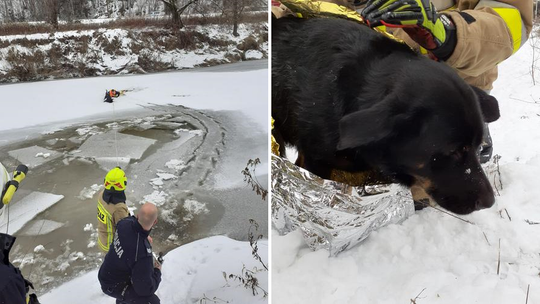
(332, 215)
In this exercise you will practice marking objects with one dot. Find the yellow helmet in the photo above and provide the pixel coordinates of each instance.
(116, 180)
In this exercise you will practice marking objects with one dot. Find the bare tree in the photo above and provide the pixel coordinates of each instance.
(234, 10)
(51, 10)
(176, 8)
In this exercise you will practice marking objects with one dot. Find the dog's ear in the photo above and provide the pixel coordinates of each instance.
(363, 127)
(488, 104)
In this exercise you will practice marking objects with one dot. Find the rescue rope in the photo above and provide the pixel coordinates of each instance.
(33, 243)
(7, 225)
(115, 139)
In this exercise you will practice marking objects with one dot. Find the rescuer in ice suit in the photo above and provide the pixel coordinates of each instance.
(14, 287)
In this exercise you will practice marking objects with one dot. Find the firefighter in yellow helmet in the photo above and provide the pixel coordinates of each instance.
(111, 206)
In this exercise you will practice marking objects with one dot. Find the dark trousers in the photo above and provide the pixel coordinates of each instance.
(126, 295)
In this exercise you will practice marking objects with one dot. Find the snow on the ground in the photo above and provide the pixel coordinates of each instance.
(443, 259)
(83, 98)
(189, 273)
(24, 210)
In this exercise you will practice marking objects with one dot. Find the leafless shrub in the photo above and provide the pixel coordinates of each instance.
(22, 68)
(23, 28)
(55, 54)
(248, 279)
(113, 46)
(24, 42)
(84, 70)
(250, 43)
(251, 179)
(151, 62)
(206, 300)
(186, 40)
(254, 237)
(136, 47)
(212, 42)
(82, 44)
(233, 57)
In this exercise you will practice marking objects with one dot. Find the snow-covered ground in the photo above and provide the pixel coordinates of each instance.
(433, 257)
(193, 273)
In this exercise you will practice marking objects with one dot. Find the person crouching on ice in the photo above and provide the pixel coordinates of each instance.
(109, 95)
(129, 273)
(111, 206)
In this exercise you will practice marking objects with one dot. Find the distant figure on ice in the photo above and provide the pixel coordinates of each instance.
(109, 95)
(111, 206)
(129, 273)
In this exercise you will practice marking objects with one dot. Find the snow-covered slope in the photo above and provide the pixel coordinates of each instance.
(443, 259)
(72, 54)
(190, 273)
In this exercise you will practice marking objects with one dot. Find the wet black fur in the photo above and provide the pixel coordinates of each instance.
(350, 98)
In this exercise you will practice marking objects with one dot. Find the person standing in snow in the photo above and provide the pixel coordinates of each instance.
(129, 273)
(111, 206)
(13, 286)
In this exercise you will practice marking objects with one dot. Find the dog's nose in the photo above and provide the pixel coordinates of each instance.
(485, 203)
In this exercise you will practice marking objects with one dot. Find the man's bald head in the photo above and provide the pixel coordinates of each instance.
(147, 216)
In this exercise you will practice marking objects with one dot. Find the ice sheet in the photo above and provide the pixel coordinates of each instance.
(103, 146)
(23, 211)
(41, 227)
(34, 156)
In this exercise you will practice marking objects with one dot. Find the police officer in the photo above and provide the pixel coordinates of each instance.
(129, 272)
(111, 206)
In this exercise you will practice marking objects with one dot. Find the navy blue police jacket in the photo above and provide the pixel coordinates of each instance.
(130, 260)
(12, 286)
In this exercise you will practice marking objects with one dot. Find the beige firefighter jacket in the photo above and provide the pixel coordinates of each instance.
(488, 32)
(108, 216)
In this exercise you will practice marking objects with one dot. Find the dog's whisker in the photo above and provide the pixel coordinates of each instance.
(452, 215)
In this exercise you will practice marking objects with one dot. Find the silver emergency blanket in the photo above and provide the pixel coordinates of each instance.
(329, 215)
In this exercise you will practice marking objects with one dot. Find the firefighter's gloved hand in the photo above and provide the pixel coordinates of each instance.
(419, 19)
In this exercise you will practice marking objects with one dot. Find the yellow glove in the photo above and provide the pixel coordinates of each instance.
(419, 19)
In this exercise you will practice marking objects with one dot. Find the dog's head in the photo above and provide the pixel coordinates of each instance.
(425, 131)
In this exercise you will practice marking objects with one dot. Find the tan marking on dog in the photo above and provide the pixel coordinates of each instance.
(419, 190)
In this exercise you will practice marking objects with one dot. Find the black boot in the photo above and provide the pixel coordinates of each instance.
(486, 148)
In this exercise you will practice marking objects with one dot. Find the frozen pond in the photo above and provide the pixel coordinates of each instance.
(186, 161)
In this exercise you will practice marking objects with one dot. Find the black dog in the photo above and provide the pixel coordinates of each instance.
(349, 98)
